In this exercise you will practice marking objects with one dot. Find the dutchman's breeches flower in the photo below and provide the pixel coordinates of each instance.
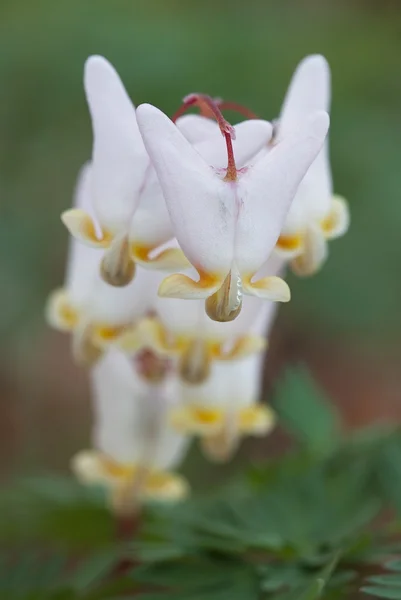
(225, 408)
(134, 445)
(129, 219)
(94, 312)
(227, 219)
(316, 215)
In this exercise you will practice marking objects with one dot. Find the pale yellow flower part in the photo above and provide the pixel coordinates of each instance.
(128, 485)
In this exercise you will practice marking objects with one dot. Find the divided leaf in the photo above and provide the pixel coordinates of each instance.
(303, 409)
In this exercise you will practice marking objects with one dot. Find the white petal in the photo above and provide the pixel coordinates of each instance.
(267, 189)
(197, 128)
(83, 261)
(309, 92)
(250, 137)
(114, 387)
(119, 157)
(120, 306)
(201, 206)
(232, 384)
(313, 198)
(151, 225)
(86, 289)
(131, 416)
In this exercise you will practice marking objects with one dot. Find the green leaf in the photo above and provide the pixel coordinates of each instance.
(387, 585)
(55, 509)
(306, 413)
(389, 471)
(95, 568)
(382, 592)
(202, 578)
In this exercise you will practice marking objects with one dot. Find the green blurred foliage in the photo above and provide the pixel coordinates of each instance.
(240, 51)
(315, 520)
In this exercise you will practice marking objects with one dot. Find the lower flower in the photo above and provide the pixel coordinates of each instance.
(90, 338)
(196, 353)
(306, 249)
(222, 428)
(129, 485)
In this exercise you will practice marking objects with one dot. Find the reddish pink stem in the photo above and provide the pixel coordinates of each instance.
(242, 110)
(207, 105)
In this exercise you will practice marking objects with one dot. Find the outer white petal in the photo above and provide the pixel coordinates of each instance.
(233, 384)
(170, 447)
(151, 224)
(313, 199)
(118, 306)
(83, 261)
(131, 416)
(98, 301)
(181, 317)
(197, 128)
(119, 157)
(309, 92)
(250, 137)
(201, 206)
(268, 188)
(116, 389)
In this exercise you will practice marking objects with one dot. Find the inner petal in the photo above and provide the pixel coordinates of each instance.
(84, 349)
(225, 304)
(118, 268)
(195, 362)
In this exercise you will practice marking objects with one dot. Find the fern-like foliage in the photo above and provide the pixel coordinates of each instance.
(311, 523)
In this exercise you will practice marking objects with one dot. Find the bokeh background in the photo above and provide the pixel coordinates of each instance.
(345, 323)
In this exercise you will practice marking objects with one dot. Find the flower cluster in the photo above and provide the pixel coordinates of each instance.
(224, 209)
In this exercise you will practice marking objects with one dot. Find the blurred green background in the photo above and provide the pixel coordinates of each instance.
(344, 323)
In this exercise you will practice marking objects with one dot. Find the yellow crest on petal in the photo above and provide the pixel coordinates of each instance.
(82, 227)
(169, 259)
(60, 312)
(197, 420)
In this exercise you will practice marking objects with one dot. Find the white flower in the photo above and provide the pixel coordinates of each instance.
(134, 445)
(95, 312)
(130, 218)
(315, 215)
(227, 220)
(225, 407)
(182, 330)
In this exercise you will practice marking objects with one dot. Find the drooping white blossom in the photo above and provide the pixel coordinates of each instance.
(134, 446)
(130, 219)
(94, 312)
(225, 407)
(227, 221)
(316, 215)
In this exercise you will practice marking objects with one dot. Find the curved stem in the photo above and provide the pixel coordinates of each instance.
(207, 105)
